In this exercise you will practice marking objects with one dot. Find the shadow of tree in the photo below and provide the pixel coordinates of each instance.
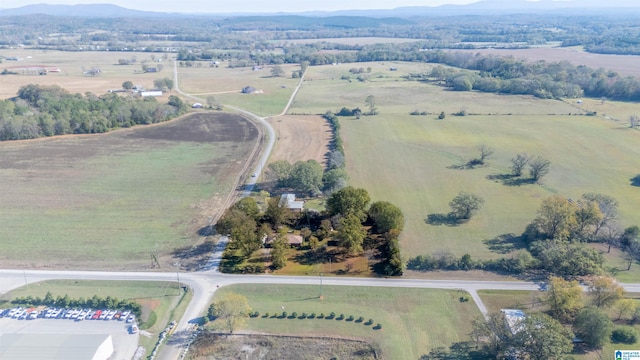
(190, 257)
(464, 350)
(505, 243)
(443, 219)
(510, 179)
(471, 164)
(635, 181)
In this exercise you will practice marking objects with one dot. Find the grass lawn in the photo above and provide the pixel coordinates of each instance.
(415, 155)
(162, 298)
(495, 300)
(413, 320)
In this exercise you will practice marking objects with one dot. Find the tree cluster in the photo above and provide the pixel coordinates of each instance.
(50, 110)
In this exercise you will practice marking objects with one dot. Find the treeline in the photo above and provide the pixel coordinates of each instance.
(556, 241)
(50, 110)
(65, 301)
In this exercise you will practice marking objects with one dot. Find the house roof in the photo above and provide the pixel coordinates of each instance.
(289, 201)
(514, 319)
(292, 239)
(55, 346)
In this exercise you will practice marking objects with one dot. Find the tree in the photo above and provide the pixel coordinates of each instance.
(167, 82)
(159, 84)
(634, 120)
(608, 207)
(281, 170)
(604, 291)
(127, 85)
(277, 215)
(231, 310)
(277, 71)
(371, 103)
(556, 217)
(593, 326)
(464, 205)
(349, 201)
(625, 308)
(492, 332)
(564, 298)
(306, 176)
(351, 234)
(587, 215)
(543, 337)
(278, 248)
(249, 206)
(386, 216)
(518, 163)
(485, 153)
(177, 103)
(538, 168)
(334, 179)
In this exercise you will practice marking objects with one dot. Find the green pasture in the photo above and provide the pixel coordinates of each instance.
(415, 156)
(495, 300)
(165, 299)
(111, 210)
(413, 320)
(224, 84)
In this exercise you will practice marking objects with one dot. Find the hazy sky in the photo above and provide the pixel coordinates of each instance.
(222, 6)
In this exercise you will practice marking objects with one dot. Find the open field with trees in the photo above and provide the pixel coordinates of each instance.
(408, 327)
(416, 156)
(160, 302)
(130, 199)
(72, 65)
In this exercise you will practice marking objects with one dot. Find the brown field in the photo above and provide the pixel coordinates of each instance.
(106, 201)
(71, 65)
(300, 138)
(623, 64)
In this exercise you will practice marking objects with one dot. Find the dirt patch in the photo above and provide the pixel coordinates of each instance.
(623, 64)
(300, 138)
(210, 346)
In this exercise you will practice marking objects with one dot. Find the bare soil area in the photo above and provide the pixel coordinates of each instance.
(622, 64)
(213, 347)
(300, 138)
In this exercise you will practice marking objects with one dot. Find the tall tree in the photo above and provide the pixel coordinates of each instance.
(538, 168)
(278, 249)
(371, 103)
(564, 298)
(351, 234)
(604, 291)
(127, 85)
(231, 310)
(625, 308)
(249, 206)
(588, 215)
(608, 209)
(277, 71)
(349, 201)
(593, 326)
(543, 338)
(518, 163)
(277, 215)
(386, 216)
(306, 176)
(281, 170)
(556, 217)
(464, 205)
(485, 151)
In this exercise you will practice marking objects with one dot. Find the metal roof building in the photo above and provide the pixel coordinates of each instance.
(55, 347)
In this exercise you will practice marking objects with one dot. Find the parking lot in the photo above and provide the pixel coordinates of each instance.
(124, 342)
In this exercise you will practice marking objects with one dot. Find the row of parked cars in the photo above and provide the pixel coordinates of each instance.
(31, 313)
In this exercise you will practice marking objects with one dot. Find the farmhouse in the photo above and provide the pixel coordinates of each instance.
(151, 93)
(292, 240)
(289, 201)
(513, 319)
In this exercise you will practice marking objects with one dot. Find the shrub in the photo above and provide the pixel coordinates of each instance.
(341, 317)
(464, 298)
(442, 115)
(254, 314)
(369, 322)
(293, 315)
(321, 316)
(331, 316)
(266, 315)
(284, 315)
(360, 319)
(624, 335)
(312, 316)
(303, 316)
(350, 318)
(377, 327)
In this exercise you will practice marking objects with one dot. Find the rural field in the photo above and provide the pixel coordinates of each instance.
(72, 64)
(300, 138)
(412, 160)
(623, 64)
(117, 200)
(410, 328)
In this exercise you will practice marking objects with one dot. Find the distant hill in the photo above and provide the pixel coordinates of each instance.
(483, 7)
(87, 10)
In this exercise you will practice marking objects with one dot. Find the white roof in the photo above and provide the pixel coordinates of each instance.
(514, 319)
(55, 346)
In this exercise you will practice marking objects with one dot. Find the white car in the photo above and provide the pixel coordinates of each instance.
(130, 318)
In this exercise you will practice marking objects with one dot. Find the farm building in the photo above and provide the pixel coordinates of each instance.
(55, 347)
(513, 319)
(197, 106)
(150, 93)
(289, 201)
(292, 240)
